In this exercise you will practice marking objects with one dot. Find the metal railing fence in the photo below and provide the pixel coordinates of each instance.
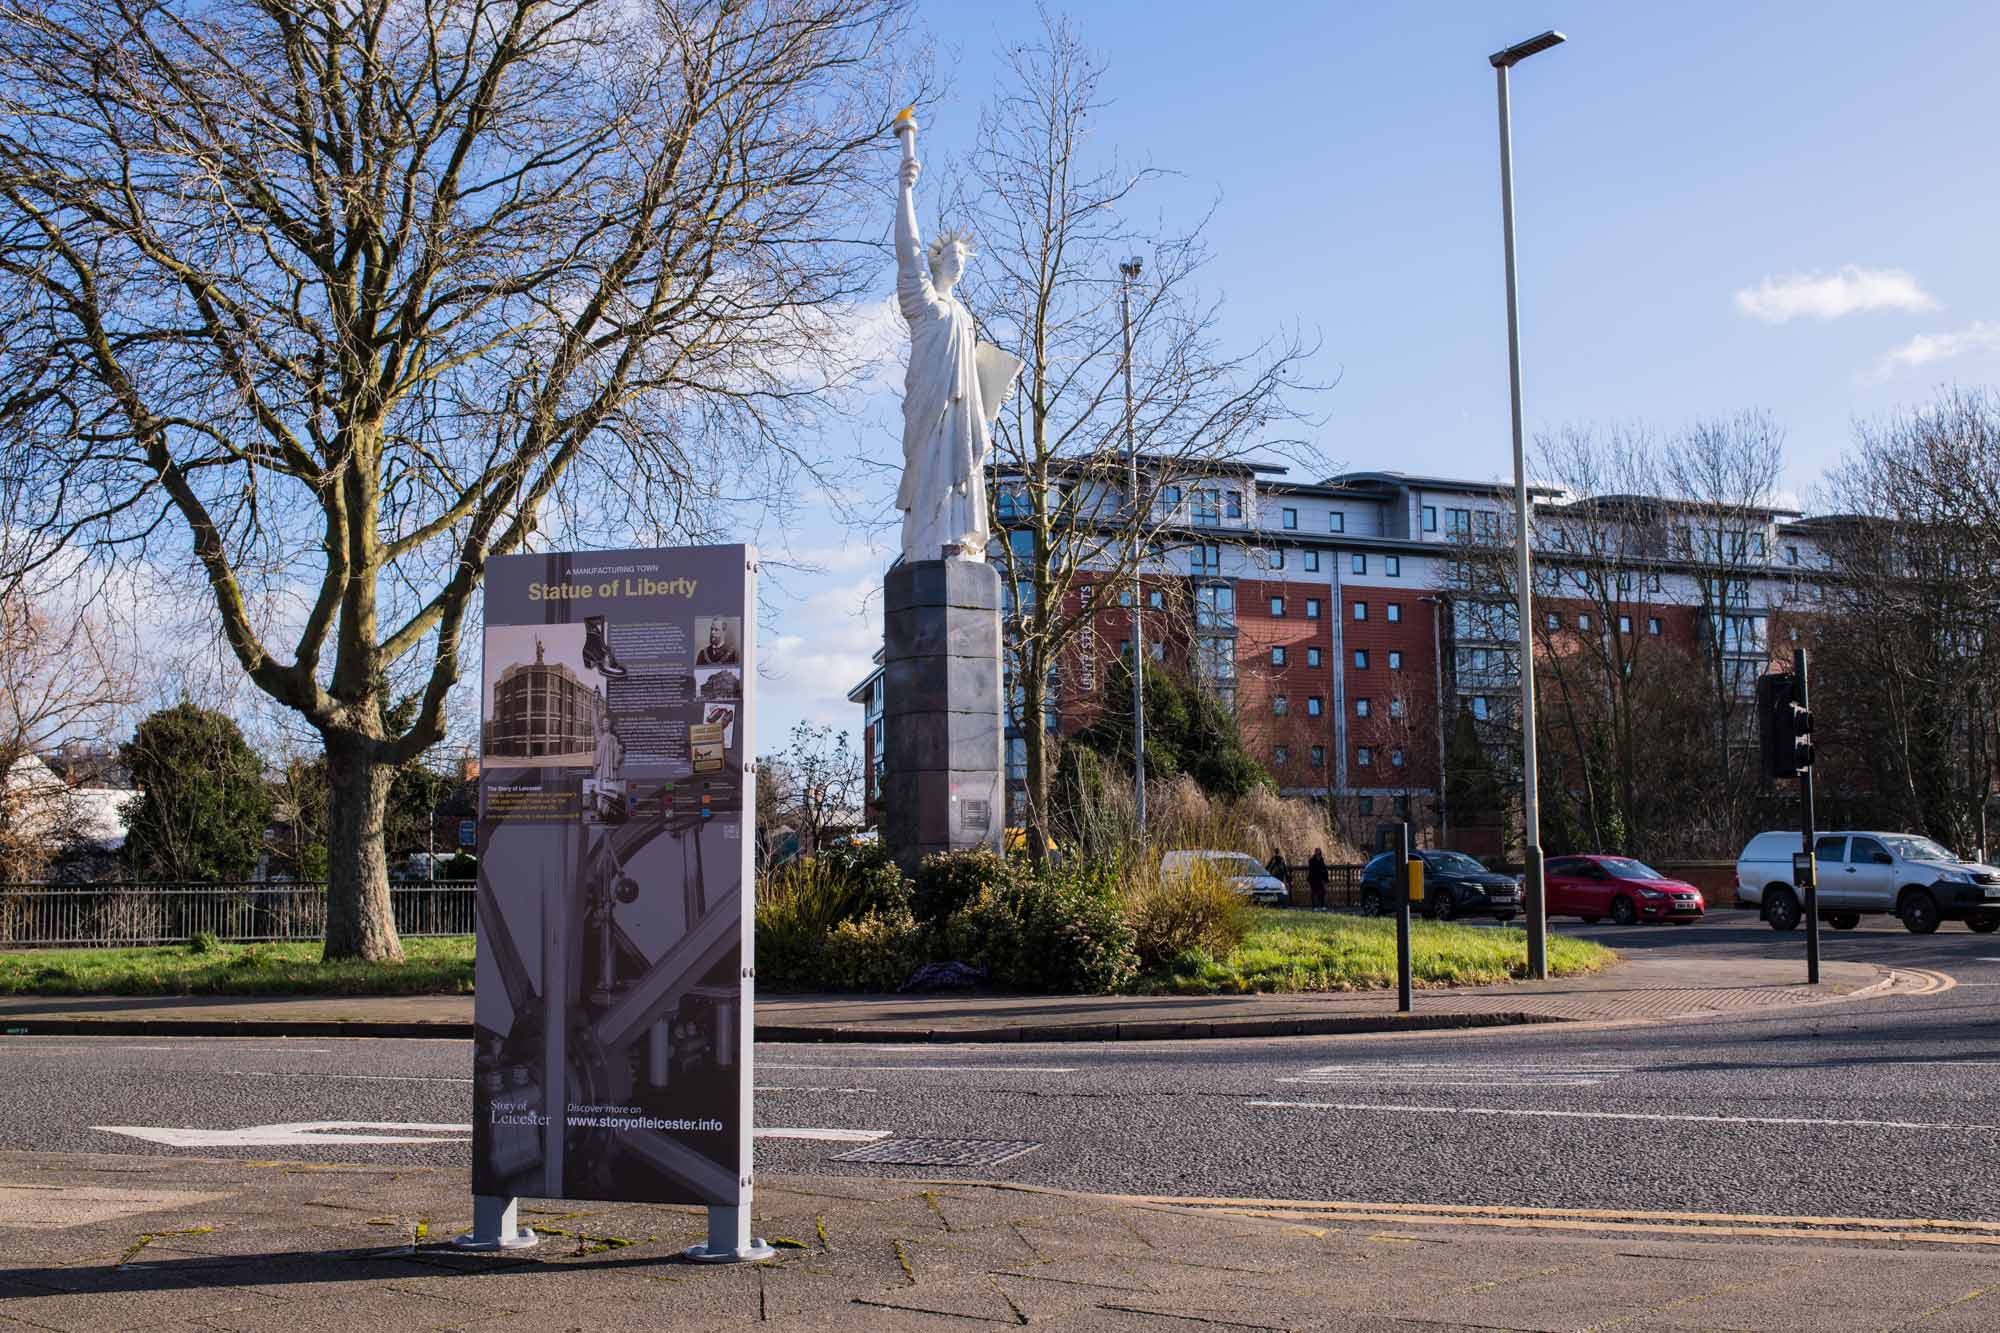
(1343, 885)
(41, 916)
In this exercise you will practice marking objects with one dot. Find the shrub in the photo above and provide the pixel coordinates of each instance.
(203, 941)
(948, 881)
(1056, 932)
(804, 904)
(1194, 913)
(876, 953)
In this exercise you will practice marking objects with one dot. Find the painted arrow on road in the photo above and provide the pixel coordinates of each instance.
(296, 1134)
(308, 1132)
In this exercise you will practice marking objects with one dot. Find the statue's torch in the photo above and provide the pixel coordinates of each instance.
(905, 127)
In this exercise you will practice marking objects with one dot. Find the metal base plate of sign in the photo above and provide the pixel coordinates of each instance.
(496, 1225)
(614, 987)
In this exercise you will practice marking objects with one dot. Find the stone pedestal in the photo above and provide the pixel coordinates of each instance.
(944, 776)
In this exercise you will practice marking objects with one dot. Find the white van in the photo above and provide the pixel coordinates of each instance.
(1241, 871)
(1868, 871)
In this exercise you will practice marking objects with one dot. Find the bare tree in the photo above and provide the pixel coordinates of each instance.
(64, 674)
(816, 783)
(1054, 225)
(351, 297)
(1908, 630)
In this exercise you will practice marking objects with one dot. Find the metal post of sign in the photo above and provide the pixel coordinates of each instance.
(1802, 693)
(496, 1225)
(1403, 996)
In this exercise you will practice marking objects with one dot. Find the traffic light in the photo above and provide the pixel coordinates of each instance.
(1784, 727)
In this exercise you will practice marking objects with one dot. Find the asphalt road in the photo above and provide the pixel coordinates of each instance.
(1883, 1108)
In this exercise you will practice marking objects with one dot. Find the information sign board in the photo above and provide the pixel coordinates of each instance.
(613, 1004)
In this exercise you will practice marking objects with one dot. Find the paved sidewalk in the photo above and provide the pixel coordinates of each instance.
(1640, 989)
(100, 1243)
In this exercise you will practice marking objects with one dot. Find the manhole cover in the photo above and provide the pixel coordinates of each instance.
(940, 1152)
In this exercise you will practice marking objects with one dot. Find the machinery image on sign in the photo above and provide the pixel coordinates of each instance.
(612, 1058)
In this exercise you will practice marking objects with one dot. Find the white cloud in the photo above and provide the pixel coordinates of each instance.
(1979, 336)
(824, 645)
(1831, 295)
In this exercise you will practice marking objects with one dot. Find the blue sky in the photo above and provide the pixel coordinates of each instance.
(1782, 206)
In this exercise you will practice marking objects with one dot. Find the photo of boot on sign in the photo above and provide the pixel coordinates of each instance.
(597, 654)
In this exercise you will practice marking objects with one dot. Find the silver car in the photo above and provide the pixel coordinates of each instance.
(1863, 872)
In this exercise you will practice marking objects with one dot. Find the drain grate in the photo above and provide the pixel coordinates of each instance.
(940, 1152)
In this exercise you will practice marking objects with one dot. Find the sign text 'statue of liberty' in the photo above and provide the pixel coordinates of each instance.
(626, 587)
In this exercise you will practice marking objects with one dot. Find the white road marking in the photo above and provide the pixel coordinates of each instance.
(297, 1134)
(1462, 1075)
(358, 1078)
(827, 1135)
(1619, 1115)
(936, 1069)
(306, 1133)
(802, 1089)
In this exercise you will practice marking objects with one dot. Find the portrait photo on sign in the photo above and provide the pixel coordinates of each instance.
(543, 706)
(718, 641)
(718, 683)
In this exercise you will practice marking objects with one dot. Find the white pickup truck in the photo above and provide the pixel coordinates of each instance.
(1866, 871)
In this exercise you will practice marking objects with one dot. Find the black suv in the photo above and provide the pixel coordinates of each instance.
(1454, 885)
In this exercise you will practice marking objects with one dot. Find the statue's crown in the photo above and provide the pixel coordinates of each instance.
(952, 236)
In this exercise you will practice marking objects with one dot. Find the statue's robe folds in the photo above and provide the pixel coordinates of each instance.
(951, 395)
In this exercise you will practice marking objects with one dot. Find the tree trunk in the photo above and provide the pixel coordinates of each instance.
(1035, 737)
(359, 922)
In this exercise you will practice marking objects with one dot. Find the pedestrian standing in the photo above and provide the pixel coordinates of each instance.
(1278, 870)
(1316, 877)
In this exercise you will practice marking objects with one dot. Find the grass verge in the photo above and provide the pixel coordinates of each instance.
(1324, 951)
(432, 967)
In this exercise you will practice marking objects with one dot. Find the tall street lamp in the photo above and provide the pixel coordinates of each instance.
(1128, 270)
(1531, 815)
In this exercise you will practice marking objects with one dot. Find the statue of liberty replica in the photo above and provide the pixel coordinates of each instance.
(943, 783)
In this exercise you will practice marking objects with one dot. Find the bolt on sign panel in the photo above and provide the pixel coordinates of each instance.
(613, 1006)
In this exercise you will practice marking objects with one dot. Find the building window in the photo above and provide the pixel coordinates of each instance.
(1361, 708)
(1233, 503)
(1361, 610)
(1277, 606)
(1364, 757)
(1360, 659)
(1624, 624)
(1277, 656)
(1481, 708)
(1402, 807)
(1277, 557)
(1396, 759)
(1430, 518)
(1359, 564)
(1312, 608)
(1791, 555)
(1171, 495)
(1281, 756)
(1395, 659)
(1281, 706)
(1458, 522)
(1336, 522)
(1291, 520)
(1652, 583)
(1396, 707)
(1312, 657)
(1157, 599)
(1124, 597)
(1017, 759)
(1395, 613)
(1158, 650)
(1652, 624)
(1125, 649)
(1215, 607)
(1317, 757)
(1365, 804)
(1392, 565)
(1207, 507)
(1312, 562)
(1207, 559)
(1554, 621)
(1314, 705)
(1583, 622)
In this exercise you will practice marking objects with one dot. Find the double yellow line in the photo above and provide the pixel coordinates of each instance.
(1601, 1221)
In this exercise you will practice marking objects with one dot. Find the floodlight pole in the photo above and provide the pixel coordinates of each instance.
(1128, 270)
(1536, 905)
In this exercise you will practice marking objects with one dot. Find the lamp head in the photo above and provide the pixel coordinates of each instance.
(1520, 51)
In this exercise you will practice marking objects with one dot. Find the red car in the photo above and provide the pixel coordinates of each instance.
(1627, 891)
